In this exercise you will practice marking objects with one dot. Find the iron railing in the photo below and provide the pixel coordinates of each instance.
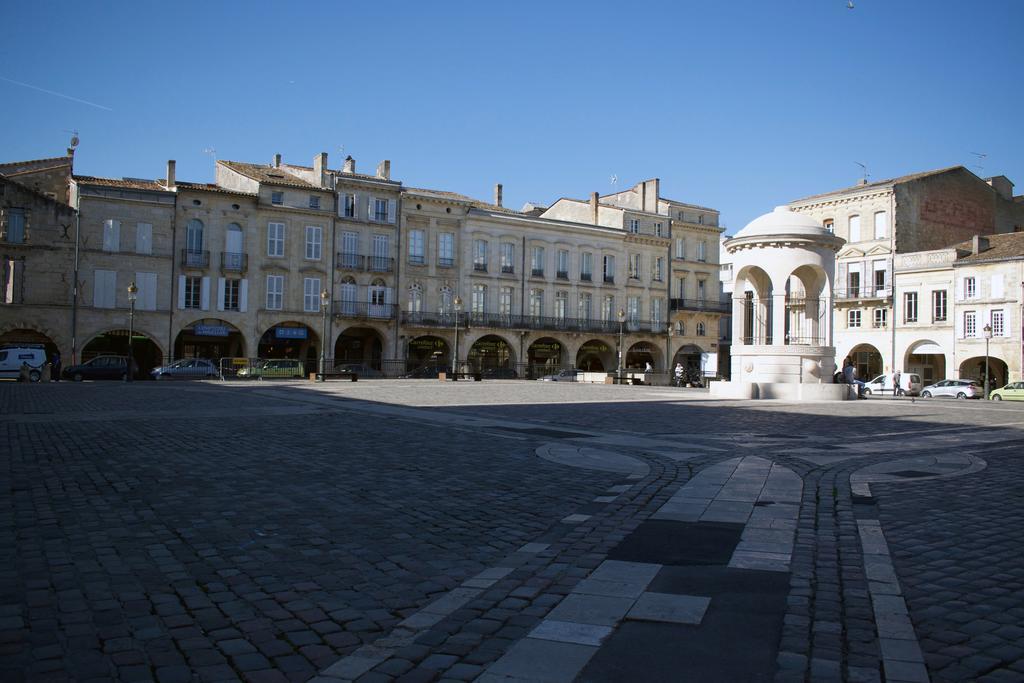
(234, 262)
(863, 292)
(195, 259)
(349, 261)
(363, 310)
(707, 305)
(444, 262)
(380, 264)
(526, 322)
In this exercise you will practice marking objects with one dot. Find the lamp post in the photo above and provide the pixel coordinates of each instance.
(668, 354)
(457, 306)
(325, 302)
(133, 294)
(622, 320)
(988, 335)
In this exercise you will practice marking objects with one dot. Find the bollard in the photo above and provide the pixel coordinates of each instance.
(355, 377)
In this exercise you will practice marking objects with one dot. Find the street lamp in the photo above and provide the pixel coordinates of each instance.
(622, 319)
(325, 302)
(988, 335)
(668, 354)
(133, 294)
(457, 305)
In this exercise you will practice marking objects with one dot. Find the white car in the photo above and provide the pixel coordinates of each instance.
(910, 385)
(563, 376)
(12, 358)
(954, 388)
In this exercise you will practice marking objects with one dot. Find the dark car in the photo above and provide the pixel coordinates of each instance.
(101, 367)
(500, 373)
(361, 370)
(426, 372)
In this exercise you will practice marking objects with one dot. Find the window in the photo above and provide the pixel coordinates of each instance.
(586, 307)
(416, 247)
(853, 318)
(880, 317)
(275, 292)
(508, 257)
(381, 261)
(562, 270)
(681, 247)
(314, 201)
(480, 255)
(415, 299)
(881, 225)
(505, 301)
(112, 235)
(104, 293)
(537, 261)
(231, 290)
(311, 294)
(881, 276)
(701, 290)
(314, 242)
(537, 302)
(143, 238)
(380, 210)
(701, 329)
(446, 249)
(998, 324)
(478, 299)
(349, 206)
(586, 266)
(145, 297)
(854, 225)
(634, 267)
(277, 198)
(829, 224)
(634, 225)
(970, 288)
(655, 314)
(561, 305)
(657, 229)
(446, 301)
(16, 226)
(939, 305)
(193, 291)
(275, 239)
(700, 219)
(609, 269)
(608, 313)
(633, 309)
(682, 288)
(659, 268)
(910, 307)
(349, 256)
(970, 324)
(10, 272)
(702, 251)
(853, 280)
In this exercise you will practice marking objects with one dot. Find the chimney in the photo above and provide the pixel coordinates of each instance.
(497, 194)
(1002, 185)
(277, 161)
(979, 244)
(320, 168)
(862, 181)
(170, 184)
(593, 207)
(350, 165)
(383, 169)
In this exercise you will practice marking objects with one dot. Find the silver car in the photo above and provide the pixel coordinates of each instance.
(954, 388)
(563, 376)
(187, 368)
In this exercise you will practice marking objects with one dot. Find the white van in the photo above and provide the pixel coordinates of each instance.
(910, 385)
(12, 357)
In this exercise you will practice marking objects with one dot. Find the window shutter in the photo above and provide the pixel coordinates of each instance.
(959, 289)
(997, 286)
(151, 280)
(111, 289)
(204, 294)
(243, 295)
(959, 326)
(389, 297)
(841, 284)
(220, 294)
(181, 292)
(369, 208)
(98, 287)
(391, 210)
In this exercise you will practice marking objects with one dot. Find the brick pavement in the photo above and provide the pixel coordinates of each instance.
(201, 532)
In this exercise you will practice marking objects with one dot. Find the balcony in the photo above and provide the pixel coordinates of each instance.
(417, 260)
(362, 310)
(439, 320)
(195, 259)
(480, 267)
(380, 264)
(347, 261)
(586, 277)
(862, 293)
(233, 262)
(562, 275)
(445, 262)
(508, 269)
(702, 305)
(609, 279)
(537, 272)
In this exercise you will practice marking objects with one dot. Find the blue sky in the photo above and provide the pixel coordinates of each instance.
(735, 105)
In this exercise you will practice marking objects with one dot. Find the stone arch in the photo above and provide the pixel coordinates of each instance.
(212, 338)
(428, 349)
(808, 306)
(489, 352)
(974, 368)
(290, 339)
(31, 334)
(640, 353)
(928, 359)
(146, 351)
(596, 355)
(545, 353)
(867, 361)
(360, 344)
(752, 306)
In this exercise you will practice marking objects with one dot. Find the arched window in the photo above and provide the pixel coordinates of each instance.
(233, 247)
(194, 236)
(700, 329)
(680, 327)
(854, 225)
(347, 291)
(446, 300)
(415, 298)
(379, 299)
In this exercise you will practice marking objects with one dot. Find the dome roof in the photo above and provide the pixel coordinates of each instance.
(782, 221)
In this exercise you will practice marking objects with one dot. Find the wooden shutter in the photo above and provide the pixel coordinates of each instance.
(204, 294)
(181, 292)
(997, 286)
(243, 295)
(220, 294)
(391, 210)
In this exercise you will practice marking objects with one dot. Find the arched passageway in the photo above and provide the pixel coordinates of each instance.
(210, 338)
(145, 351)
(640, 354)
(867, 361)
(359, 345)
(595, 356)
(974, 368)
(31, 338)
(490, 352)
(926, 359)
(290, 340)
(428, 350)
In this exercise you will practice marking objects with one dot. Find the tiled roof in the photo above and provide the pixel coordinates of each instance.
(123, 183)
(33, 165)
(456, 197)
(687, 205)
(32, 190)
(880, 183)
(210, 187)
(268, 175)
(1000, 247)
(345, 174)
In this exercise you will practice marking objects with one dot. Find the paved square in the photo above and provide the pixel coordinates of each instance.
(212, 531)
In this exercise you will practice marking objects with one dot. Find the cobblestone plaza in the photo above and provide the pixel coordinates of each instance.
(417, 530)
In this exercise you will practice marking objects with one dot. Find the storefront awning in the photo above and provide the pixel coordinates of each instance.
(925, 348)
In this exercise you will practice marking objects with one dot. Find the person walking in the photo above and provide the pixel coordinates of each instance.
(678, 374)
(55, 362)
(896, 388)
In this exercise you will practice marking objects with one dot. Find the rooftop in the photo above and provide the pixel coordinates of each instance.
(269, 175)
(122, 183)
(1000, 247)
(878, 184)
(456, 197)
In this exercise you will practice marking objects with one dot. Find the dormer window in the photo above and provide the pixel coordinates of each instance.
(314, 201)
(634, 225)
(277, 198)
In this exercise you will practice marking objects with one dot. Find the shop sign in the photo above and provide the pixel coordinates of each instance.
(210, 330)
(640, 348)
(290, 332)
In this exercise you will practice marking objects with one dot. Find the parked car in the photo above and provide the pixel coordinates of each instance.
(358, 369)
(187, 368)
(274, 368)
(500, 373)
(12, 358)
(1013, 391)
(423, 372)
(910, 385)
(101, 367)
(563, 376)
(954, 388)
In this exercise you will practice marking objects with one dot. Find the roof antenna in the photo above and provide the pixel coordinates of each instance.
(981, 157)
(849, 4)
(865, 176)
(211, 151)
(615, 181)
(74, 137)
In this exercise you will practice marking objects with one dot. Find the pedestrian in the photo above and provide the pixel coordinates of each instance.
(850, 375)
(896, 389)
(679, 374)
(55, 362)
(648, 367)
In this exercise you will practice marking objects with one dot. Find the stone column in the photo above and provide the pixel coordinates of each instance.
(778, 319)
